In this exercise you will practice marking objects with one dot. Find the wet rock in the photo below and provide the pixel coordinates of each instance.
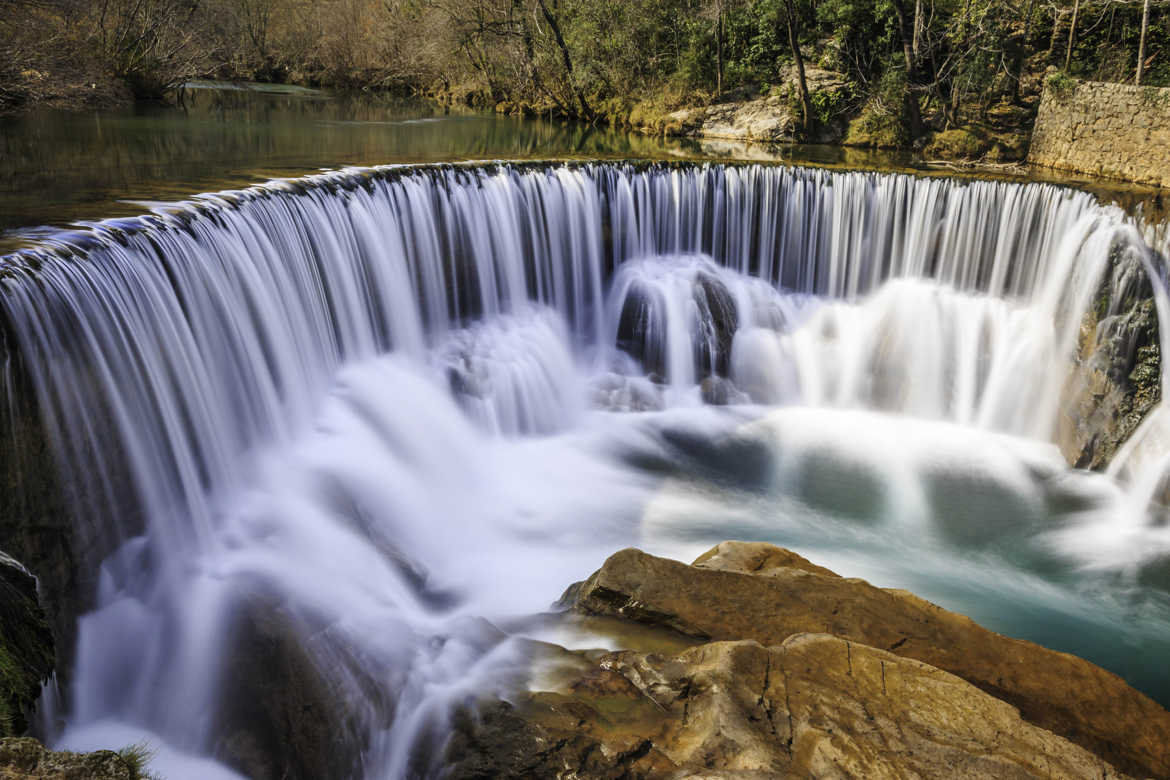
(719, 321)
(617, 393)
(752, 592)
(1117, 377)
(813, 706)
(61, 531)
(26, 646)
(282, 717)
(25, 758)
(720, 391)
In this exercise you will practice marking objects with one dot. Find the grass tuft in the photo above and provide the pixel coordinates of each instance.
(137, 758)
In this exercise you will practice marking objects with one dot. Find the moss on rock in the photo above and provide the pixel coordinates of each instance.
(877, 128)
(24, 758)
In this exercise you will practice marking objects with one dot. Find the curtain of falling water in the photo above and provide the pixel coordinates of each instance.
(174, 353)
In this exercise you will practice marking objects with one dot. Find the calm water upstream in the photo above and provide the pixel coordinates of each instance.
(397, 401)
(58, 168)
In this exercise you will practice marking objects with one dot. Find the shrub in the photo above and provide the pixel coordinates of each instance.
(1060, 85)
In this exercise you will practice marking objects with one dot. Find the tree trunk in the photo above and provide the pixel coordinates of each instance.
(917, 45)
(956, 89)
(518, 8)
(1141, 63)
(1019, 54)
(1057, 15)
(906, 31)
(806, 118)
(1072, 33)
(718, 51)
(566, 60)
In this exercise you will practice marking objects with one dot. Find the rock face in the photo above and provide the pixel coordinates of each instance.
(1112, 130)
(26, 646)
(802, 673)
(770, 119)
(63, 550)
(1118, 376)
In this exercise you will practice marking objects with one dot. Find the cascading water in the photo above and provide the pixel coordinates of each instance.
(382, 405)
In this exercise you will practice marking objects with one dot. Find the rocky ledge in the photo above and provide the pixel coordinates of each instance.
(26, 646)
(763, 664)
(772, 118)
(24, 758)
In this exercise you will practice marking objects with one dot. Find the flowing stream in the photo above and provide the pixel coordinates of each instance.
(391, 404)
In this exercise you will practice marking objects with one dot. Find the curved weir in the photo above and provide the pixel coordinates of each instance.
(345, 419)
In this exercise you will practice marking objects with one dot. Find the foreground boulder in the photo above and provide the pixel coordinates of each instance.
(26, 646)
(768, 665)
(814, 706)
(759, 592)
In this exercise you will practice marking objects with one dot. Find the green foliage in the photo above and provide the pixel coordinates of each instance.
(560, 57)
(830, 105)
(1060, 85)
(883, 123)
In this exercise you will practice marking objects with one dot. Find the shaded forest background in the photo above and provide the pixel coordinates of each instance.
(909, 67)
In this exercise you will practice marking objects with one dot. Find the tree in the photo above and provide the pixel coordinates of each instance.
(1141, 61)
(153, 44)
(906, 26)
(566, 59)
(1072, 33)
(792, 22)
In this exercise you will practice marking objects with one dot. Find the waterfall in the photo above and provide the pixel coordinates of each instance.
(383, 403)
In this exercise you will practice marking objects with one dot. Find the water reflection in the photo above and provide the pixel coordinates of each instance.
(58, 168)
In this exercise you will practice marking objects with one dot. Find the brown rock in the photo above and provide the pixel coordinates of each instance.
(24, 758)
(748, 592)
(815, 706)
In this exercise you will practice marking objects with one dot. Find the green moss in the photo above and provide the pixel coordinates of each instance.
(960, 143)
(878, 128)
(1060, 85)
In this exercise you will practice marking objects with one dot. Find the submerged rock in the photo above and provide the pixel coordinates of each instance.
(720, 391)
(802, 673)
(282, 718)
(26, 646)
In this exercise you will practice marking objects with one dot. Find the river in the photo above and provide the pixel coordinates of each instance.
(386, 404)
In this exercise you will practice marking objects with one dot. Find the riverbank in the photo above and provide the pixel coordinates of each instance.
(1105, 131)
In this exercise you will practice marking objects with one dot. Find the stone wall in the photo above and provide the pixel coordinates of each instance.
(1111, 130)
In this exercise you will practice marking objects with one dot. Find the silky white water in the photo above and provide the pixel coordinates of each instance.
(390, 405)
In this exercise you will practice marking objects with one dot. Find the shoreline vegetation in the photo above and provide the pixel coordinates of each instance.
(957, 81)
